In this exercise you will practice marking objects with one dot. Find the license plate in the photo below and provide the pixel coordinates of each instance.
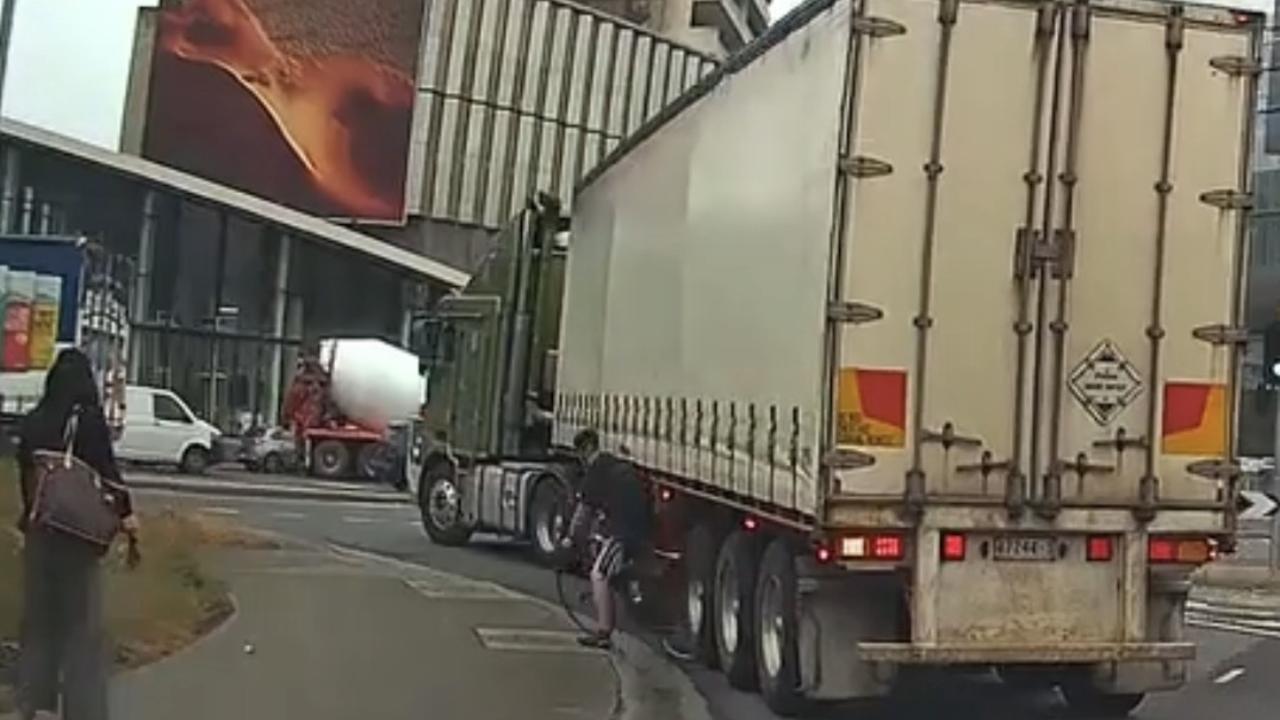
(1024, 548)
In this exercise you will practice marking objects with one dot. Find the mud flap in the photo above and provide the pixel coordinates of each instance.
(836, 611)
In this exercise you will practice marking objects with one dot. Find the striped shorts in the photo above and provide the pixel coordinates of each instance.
(611, 560)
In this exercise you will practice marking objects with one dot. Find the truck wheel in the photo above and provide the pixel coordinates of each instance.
(194, 461)
(1085, 700)
(776, 635)
(369, 461)
(441, 506)
(735, 609)
(699, 584)
(272, 464)
(330, 459)
(548, 521)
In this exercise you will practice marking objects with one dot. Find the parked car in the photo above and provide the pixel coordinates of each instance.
(161, 429)
(271, 450)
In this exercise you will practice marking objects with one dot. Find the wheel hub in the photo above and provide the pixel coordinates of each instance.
(771, 627)
(444, 504)
(730, 604)
(695, 604)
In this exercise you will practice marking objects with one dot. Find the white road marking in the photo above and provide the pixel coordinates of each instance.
(1231, 627)
(1228, 676)
(219, 511)
(287, 515)
(358, 520)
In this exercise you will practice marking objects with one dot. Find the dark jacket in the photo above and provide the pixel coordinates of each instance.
(41, 431)
(613, 485)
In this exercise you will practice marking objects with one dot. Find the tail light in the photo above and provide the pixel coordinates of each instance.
(1186, 551)
(953, 547)
(750, 523)
(1099, 548)
(874, 546)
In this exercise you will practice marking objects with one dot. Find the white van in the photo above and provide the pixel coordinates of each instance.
(160, 428)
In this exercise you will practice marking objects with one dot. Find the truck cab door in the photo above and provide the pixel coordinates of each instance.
(463, 385)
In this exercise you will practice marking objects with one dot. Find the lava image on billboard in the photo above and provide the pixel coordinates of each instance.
(308, 103)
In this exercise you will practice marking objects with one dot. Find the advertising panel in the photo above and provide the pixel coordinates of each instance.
(304, 102)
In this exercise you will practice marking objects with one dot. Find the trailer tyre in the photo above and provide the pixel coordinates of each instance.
(441, 506)
(699, 585)
(1085, 700)
(330, 459)
(735, 609)
(548, 521)
(777, 649)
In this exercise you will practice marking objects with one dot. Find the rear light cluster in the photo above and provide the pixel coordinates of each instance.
(873, 546)
(1172, 550)
(1099, 548)
(864, 546)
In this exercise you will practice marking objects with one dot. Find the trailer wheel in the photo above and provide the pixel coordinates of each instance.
(1085, 700)
(330, 459)
(735, 609)
(441, 505)
(776, 632)
(699, 584)
(548, 521)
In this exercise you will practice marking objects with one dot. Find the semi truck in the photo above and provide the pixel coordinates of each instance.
(57, 292)
(922, 319)
(344, 403)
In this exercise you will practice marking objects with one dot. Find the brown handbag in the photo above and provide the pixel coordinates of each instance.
(71, 498)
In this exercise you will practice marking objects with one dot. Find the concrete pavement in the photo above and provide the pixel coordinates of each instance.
(326, 637)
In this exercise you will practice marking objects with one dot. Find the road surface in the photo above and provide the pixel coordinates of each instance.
(1233, 675)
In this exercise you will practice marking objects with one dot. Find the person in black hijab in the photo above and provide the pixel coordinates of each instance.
(63, 650)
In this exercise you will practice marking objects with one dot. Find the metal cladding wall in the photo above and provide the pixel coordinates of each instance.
(518, 96)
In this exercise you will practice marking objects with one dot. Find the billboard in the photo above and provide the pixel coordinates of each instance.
(308, 103)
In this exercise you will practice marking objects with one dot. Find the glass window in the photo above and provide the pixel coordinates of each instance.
(168, 409)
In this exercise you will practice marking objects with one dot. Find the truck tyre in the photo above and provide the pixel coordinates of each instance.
(1085, 700)
(369, 461)
(548, 521)
(699, 591)
(735, 609)
(195, 460)
(330, 459)
(778, 655)
(441, 505)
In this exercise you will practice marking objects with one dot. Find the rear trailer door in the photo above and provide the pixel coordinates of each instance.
(1032, 334)
(1043, 227)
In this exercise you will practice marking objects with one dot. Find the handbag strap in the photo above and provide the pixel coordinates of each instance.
(69, 436)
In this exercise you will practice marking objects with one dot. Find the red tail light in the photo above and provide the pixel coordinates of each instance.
(953, 546)
(1099, 548)
(1187, 551)
(823, 554)
(887, 547)
(749, 523)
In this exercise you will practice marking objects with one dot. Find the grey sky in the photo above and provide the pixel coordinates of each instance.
(69, 63)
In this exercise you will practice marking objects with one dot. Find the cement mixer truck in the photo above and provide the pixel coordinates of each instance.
(344, 404)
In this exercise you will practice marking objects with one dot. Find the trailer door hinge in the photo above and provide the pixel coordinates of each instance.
(864, 166)
(1214, 469)
(1235, 65)
(853, 312)
(1227, 199)
(877, 26)
(846, 459)
(1221, 334)
(1032, 252)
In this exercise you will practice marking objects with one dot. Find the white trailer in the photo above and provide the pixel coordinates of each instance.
(927, 315)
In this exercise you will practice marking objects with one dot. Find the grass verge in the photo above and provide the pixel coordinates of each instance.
(163, 605)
